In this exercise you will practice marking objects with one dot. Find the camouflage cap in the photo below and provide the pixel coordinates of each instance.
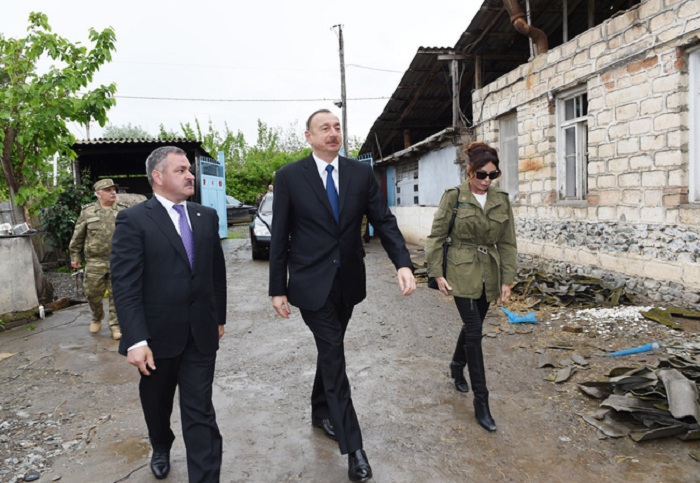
(104, 183)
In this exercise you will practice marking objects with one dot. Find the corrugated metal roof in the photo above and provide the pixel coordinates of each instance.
(134, 140)
(421, 105)
(123, 159)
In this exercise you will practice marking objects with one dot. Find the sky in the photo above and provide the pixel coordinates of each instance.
(236, 62)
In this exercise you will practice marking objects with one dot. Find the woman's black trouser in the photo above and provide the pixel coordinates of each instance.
(468, 351)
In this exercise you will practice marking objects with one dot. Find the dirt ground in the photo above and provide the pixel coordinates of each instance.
(69, 407)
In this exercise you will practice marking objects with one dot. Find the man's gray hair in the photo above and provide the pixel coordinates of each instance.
(156, 159)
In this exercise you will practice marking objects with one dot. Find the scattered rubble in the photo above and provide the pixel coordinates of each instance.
(32, 442)
(648, 403)
(539, 288)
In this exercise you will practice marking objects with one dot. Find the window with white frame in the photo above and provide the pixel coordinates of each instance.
(694, 126)
(508, 156)
(572, 144)
(407, 184)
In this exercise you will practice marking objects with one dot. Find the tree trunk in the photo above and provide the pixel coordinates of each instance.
(9, 172)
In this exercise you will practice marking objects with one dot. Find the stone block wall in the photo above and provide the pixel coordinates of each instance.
(635, 223)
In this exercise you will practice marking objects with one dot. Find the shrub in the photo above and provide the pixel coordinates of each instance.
(59, 219)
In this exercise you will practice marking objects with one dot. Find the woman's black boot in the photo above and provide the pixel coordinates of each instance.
(457, 371)
(475, 364)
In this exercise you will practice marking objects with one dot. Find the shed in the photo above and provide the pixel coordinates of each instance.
(124, 161)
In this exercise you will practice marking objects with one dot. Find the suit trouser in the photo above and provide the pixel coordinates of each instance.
(330, 397)
(193, 373)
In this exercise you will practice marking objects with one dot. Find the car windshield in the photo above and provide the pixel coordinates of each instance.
(266, 205)
(230, 200)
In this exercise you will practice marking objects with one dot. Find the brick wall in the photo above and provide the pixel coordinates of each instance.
(635, 73)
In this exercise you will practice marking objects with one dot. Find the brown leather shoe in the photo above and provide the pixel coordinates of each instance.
(95, 327)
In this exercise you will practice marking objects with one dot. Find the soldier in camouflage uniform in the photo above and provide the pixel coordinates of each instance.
(93, 236)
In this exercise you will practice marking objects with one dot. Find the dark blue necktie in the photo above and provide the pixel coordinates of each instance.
(332, 193)
(185, 233)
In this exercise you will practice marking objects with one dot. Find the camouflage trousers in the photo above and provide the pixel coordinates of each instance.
(95, 284)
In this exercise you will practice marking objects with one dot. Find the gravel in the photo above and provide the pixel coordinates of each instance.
(63, 285)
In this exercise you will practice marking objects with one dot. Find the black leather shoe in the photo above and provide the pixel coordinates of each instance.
(457, 372)
(325, 425)
(160, 464)
(358, 466)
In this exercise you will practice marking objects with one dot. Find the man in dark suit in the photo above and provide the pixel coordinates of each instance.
(318, 208)
(169, 283)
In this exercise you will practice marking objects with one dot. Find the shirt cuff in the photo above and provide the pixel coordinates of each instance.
(138, 344)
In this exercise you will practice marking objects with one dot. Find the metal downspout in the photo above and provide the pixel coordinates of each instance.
(517, 18)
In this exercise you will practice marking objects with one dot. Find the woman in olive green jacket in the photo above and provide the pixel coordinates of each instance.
(481, 263)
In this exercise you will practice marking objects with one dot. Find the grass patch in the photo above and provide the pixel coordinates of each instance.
(238, 232)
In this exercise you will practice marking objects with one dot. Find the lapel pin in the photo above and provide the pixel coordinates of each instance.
(198, 214)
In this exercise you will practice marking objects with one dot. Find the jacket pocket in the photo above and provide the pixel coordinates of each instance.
(498, 217)
(457, 257)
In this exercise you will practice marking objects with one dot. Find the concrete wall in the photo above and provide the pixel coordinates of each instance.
(635, 224)
(415, 222)
(437, 171)
(17, 287)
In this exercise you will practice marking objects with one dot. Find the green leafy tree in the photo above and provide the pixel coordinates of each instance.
(251, 168)
(125, 132)
(38, 103)
(232, 144)
(354, 145)
(250, 176)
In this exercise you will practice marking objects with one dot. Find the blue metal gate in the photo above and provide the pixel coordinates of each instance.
(212, 188)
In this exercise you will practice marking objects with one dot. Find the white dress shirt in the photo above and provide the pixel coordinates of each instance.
(174, 215)
(321, 166)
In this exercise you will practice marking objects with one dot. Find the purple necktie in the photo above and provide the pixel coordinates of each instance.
(185, 233)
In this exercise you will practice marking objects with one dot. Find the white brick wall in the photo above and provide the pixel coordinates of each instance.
(633, 66)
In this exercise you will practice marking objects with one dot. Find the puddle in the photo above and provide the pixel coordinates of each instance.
(132, 449)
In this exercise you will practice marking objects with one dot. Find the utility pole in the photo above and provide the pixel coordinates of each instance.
(343, 98)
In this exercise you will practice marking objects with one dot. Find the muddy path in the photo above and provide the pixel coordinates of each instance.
(71, 401)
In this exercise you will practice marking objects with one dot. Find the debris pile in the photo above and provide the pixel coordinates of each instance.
(649, 402)
(550, 289)
(606, 323)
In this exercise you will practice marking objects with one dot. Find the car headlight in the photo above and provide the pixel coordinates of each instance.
(261, 230)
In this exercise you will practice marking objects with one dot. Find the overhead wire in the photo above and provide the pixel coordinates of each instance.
(193, 99)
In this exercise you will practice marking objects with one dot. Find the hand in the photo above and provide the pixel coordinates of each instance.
(407, 282)
(141, 357)
(444, 287)
(221, 331)
(75, 265)
(279, 302)
(505, 294)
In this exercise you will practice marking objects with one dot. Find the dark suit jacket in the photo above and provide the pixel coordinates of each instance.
(307, 242)
(158, 296)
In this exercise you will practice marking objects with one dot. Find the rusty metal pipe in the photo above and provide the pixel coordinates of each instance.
(517, 18)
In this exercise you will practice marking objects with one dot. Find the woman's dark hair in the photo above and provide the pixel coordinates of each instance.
(480, 154)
